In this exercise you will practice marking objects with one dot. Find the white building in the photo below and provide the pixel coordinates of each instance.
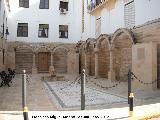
(106, 16)
(41, 20)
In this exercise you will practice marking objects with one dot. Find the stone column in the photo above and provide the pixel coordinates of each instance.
(86, 66)
(111, 73)
(77, 63)
(96, 62)
(51, 68)
(34, 68)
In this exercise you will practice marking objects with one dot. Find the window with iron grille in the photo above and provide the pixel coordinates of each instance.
(129, 14)
(44, 4)
(22, 30)
(63, 7)
(63, 31)
(43, 30)
(24, 3)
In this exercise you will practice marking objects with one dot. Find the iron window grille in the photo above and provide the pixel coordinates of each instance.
(44, 4)
(22, 30)
(43, 30)
(24, 3)
(63, 31)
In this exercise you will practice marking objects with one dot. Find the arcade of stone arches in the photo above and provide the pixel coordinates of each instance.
(108, 56)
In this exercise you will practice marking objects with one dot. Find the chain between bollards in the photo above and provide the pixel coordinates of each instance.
(25, 109)
(83, 79)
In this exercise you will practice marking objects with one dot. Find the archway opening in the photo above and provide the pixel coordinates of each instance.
(122, 60)
(60, 60)
(90, 57)
(103, 58)
(23, 59)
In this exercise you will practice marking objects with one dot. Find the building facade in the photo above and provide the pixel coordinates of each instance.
(42, 20)
(106, 16)
(122, 35)
(40, 35)
(112, 37)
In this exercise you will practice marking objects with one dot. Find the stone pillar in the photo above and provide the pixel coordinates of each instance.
(86, 66)
(77, 63)
(51, 68)
(34, 68)
(96, 62)
(111, 73)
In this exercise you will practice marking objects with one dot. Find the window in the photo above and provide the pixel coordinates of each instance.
(22, 30)
(63, 7)
(43, 30)
(24, 3)
(44, 4)
(98, 27)
(129, 14)
(63, 31)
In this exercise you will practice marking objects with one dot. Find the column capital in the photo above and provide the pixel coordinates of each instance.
(96, 50)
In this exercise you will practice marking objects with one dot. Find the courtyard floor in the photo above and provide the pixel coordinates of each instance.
(44, 95)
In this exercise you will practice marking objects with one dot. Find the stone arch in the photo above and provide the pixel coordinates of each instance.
(90, 57)
(126, 31)
(23, 58)
(121, 43)
(60, 56)
(103, 46)
(60, 47)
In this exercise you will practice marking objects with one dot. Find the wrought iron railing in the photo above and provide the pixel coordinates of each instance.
(93, 4)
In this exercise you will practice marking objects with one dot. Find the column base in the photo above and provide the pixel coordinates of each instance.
(111, 75)
(34, 70)
(51, 70)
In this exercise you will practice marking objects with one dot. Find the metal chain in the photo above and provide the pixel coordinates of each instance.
(145, 83)
(72, 82)
(107, 87)
(28, 78)
(142, 82)
(104, 87)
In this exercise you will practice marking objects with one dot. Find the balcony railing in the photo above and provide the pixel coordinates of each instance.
(95, 4)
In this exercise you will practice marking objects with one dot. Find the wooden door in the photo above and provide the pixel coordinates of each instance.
(43, 62)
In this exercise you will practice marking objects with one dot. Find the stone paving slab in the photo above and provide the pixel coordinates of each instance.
(37, 99)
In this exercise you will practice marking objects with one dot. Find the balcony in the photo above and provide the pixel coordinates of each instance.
(95, 6)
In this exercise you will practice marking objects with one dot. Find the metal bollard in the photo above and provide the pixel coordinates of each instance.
(25, 109)
(131, 104)
(83, 78)
(129, 84)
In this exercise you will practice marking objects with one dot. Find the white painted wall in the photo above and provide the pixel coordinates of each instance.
(145, 10)
(35, 16)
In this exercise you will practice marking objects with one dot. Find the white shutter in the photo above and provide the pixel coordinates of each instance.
(129, 14)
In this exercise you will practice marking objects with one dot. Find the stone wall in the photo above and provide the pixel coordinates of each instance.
(122, 57)
(60, 61)
(23, 60)
(20, 55)
(103, 59)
